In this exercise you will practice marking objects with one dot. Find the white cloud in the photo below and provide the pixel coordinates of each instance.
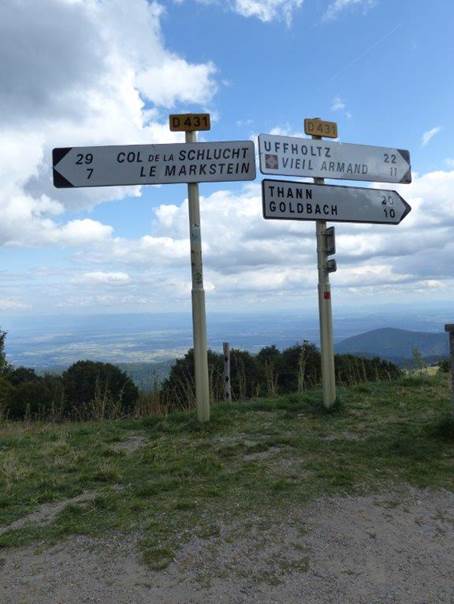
(337, 104)
(428, 135)
(7, 304)
(336, 7)
(70, 78)
(268, 10)
(176, 80)
(245, 255)
(249, 260)
(449, 162)
(79, 232)
(100, 277)
(264, 10)
(286, 131)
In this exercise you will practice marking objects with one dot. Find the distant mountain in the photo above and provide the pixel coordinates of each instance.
(395, 344)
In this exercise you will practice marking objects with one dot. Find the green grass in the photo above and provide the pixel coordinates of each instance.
(259, 456)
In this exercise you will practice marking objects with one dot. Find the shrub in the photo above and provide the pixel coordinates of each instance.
(6, 391)
(178, 390)
(87, 381)
(445, 366)
(4, 365)
(21, 375)
(32, 398)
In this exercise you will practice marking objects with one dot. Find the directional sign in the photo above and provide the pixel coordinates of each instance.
(288, 200)
(153, 164)
(291, 156)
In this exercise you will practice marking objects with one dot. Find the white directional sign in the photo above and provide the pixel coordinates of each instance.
(288, 200)
(291, 156)
(153, 164)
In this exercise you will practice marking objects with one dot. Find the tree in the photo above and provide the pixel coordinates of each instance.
(445, 365)
(4, 365)
(178, 390)
(32, 398)
(244, 375)
(6, 391)
(418, 360)
(269, 361)
(300, 365)
(21, 375)
(85, 381)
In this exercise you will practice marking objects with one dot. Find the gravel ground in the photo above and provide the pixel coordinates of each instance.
(386, 548)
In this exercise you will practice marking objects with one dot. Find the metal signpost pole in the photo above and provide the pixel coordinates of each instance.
(325, 311)
(202, 389)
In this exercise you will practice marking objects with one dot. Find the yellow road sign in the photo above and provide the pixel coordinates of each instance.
(320, 128)
(187, 122)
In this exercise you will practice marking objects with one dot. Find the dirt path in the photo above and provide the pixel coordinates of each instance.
(389, 548)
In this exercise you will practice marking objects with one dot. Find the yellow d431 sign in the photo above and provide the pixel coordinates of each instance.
(320, 128)
(184, 122)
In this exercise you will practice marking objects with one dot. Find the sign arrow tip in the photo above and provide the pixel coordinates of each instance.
(58, 154)
(60, 181)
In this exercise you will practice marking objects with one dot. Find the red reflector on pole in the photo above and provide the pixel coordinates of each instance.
(326, 295)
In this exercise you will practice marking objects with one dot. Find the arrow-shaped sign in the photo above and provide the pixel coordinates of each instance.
(291, 156)
(289, 200)
(153, 164)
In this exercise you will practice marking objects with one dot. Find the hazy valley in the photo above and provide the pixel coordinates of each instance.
(54, 342)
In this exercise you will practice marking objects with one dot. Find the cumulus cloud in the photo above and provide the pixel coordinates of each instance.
(249, 260)
(245, 255)
(79, 73)
(428, 135)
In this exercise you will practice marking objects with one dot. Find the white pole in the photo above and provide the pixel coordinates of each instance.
(325, 312)
(202, 390)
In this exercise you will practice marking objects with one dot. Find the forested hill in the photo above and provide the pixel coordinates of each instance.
(395, 344)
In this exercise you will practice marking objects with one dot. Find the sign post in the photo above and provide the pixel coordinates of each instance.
(199, 325)
(296, 200)
(191, 163)
(450, 329)
(325, 310)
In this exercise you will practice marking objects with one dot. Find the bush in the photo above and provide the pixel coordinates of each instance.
(31, 399)
(6, 392)
(87, 381)
(21, 375)
(178, 390)
(445, 366)
(4, 365)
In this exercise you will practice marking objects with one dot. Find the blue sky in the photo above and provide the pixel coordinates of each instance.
(85, 72)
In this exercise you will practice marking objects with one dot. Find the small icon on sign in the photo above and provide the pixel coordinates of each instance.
(271, 162)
